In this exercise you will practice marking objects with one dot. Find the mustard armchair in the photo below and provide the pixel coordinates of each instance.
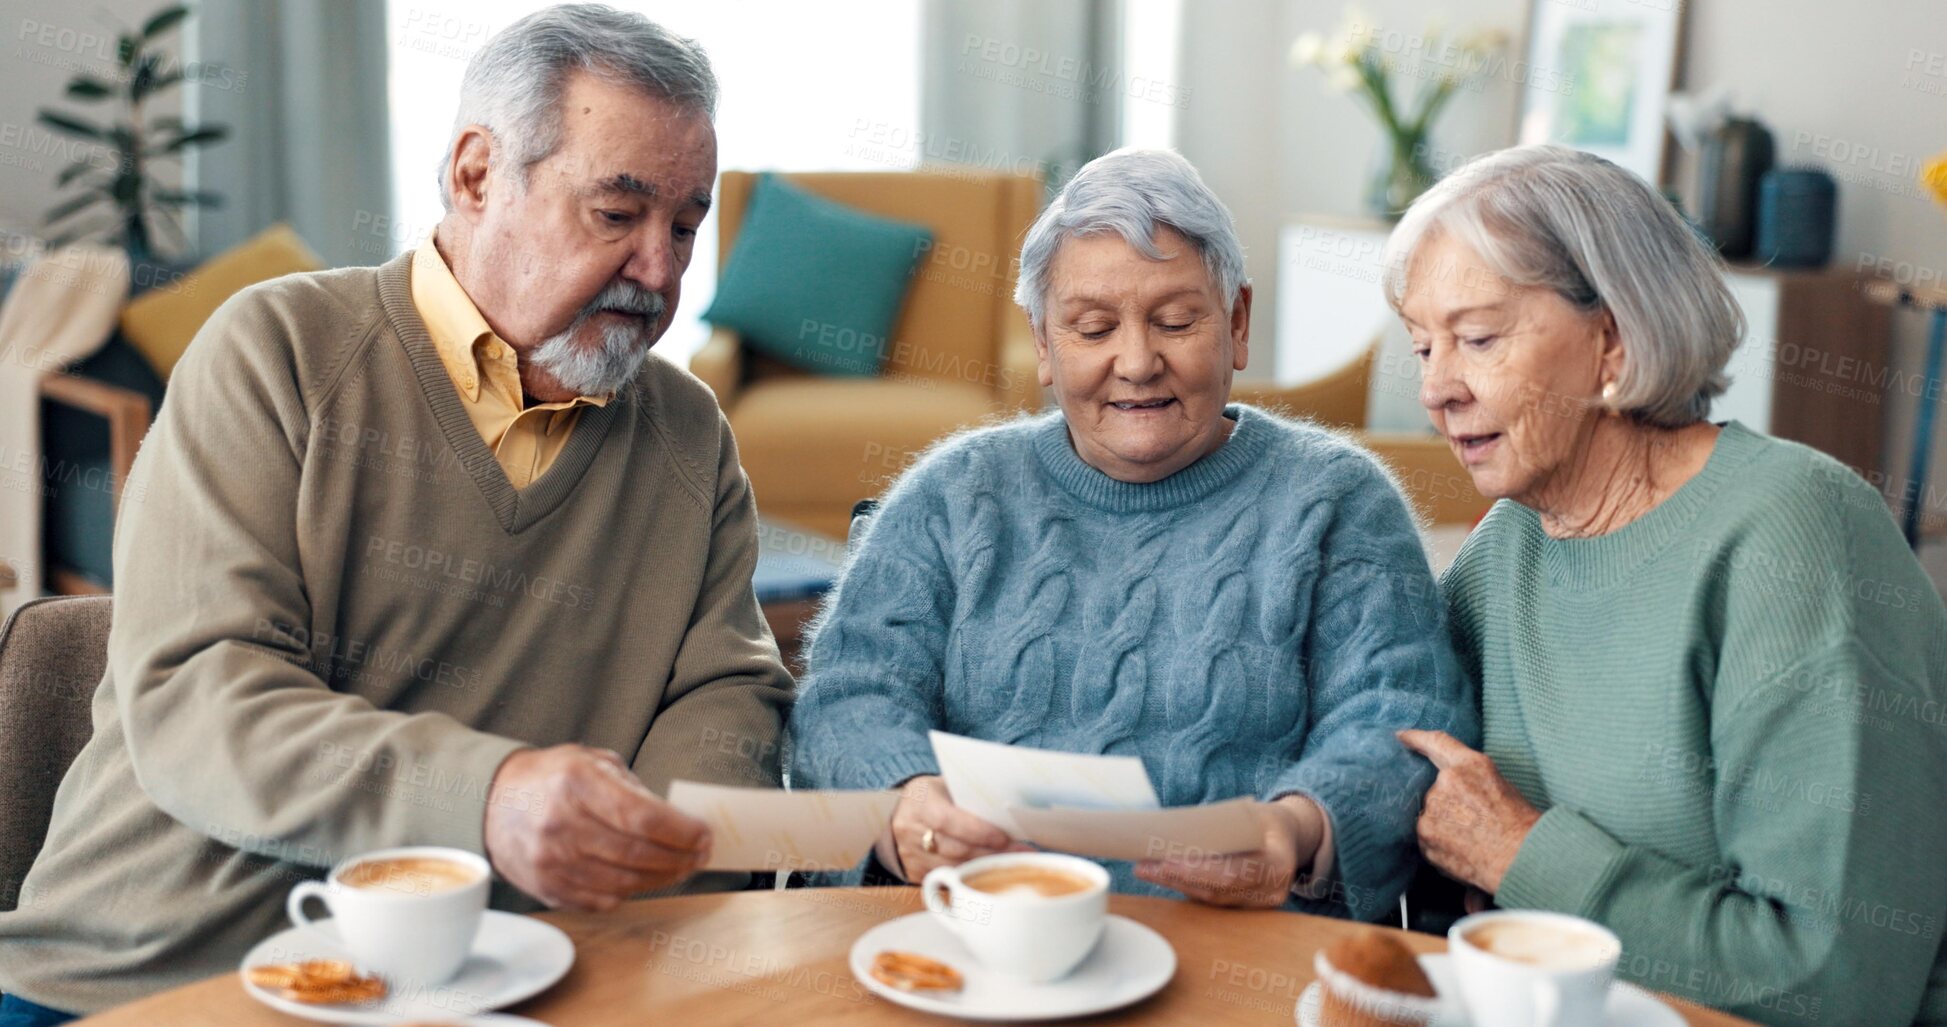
(1337, 398)
(1433, 479)
(960, 353)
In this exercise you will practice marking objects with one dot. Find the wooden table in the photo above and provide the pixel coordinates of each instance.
(781, 957)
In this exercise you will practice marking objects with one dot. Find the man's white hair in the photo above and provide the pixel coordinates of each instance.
(513, 85)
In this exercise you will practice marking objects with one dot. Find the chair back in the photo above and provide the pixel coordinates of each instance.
(52, 655)
(962, 289)
(1337, 398)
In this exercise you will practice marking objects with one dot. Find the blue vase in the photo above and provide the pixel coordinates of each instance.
(1797, 210)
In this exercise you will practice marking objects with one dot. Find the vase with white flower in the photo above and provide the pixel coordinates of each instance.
(1367, 61)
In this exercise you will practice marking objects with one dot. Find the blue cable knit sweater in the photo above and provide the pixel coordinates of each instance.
(1259, 623)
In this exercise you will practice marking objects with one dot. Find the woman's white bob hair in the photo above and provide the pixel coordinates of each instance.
(1133, 192)
(1603, 240)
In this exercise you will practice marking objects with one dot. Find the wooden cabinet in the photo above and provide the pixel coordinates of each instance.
(1815, 364)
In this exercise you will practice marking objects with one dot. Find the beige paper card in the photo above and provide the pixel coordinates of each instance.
(772, 829)
(1179, 832)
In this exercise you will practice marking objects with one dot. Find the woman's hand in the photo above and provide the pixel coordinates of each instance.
(957, 835)
(1293, 828)
(1473, 822)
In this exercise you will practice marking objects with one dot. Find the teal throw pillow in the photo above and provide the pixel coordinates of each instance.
(815, 283)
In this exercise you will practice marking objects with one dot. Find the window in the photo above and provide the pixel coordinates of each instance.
(1152, 91)
(804, 89)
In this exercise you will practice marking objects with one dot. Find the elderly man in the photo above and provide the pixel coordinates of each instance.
(431, 553)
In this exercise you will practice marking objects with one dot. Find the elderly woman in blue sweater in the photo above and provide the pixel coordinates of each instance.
(1238, 599)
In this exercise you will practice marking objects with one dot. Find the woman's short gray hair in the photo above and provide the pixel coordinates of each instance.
(1133, 192)
(1602, 239)
(513, 85)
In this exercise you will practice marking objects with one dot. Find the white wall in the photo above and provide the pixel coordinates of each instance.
(1863, 81)
(1276, 144)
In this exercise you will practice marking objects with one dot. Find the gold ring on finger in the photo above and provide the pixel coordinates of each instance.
(929, 842)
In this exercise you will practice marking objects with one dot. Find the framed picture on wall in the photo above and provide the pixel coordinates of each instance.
(1599, 78)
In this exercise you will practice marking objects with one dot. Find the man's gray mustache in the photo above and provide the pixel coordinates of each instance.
(628, 299)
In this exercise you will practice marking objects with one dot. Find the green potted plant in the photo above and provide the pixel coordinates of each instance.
(115, 178)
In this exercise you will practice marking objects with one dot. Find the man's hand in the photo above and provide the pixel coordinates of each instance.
(573, 827)
(1474, 821)
(1293, 828)
(958, 835)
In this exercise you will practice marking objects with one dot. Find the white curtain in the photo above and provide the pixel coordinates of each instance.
(1020, 84)
(306, 107)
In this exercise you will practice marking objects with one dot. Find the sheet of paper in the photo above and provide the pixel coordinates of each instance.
(771, 829)
(1180, 832)
(990, 779)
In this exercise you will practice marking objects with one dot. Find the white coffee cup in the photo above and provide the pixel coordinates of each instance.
(1019, 932)
(396, 916)
(1528, 968)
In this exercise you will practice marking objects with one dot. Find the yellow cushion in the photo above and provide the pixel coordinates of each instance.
(161, 321)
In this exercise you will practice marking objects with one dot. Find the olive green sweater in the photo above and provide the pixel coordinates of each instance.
(1733, 714)
(335, 617)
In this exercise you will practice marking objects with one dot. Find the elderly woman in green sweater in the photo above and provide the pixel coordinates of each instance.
(1711, 671)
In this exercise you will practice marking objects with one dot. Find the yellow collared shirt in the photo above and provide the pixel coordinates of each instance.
(525, 438)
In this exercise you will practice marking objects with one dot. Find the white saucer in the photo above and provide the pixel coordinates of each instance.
(1129, 964)
(1629, 1005)
(514, 958)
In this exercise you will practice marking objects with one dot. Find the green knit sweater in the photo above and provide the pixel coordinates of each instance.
(1732, 713)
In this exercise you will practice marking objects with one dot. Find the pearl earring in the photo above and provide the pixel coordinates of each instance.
(1609, 392)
